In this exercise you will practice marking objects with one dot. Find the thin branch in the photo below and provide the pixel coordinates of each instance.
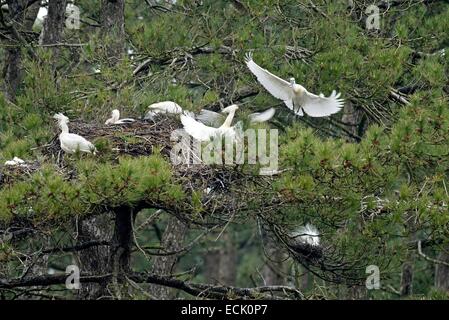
(195, 289)
(426, 257)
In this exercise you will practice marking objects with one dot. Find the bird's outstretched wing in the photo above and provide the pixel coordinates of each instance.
(262, 116)
(278, 87)
(197, 129)
(321, 106)
(210, 118)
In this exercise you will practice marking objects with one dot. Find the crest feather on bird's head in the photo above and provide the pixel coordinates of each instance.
(60, 117)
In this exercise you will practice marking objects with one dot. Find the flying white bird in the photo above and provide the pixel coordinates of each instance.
(307, 234)
(115, 118)
(202, 132)
(15, 162)
(162, 107)
(295, 96)
(71, 142)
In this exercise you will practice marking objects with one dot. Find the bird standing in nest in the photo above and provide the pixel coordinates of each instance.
(70, 142)
(202, 132)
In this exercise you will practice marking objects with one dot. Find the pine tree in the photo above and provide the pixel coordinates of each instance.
(371, 178)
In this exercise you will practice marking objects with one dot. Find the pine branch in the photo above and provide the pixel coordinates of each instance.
(194, 289)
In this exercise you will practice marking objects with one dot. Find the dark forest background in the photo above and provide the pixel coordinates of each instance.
(372, 178)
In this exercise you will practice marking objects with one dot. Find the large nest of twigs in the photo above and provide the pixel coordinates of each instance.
(222, 188)
(135, 139)
(302, 251)
(14, 173)
(305, 252)
(140, 138)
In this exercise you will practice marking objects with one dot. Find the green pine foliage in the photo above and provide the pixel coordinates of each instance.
(360, 195)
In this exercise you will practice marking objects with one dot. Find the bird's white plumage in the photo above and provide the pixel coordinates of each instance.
(71, 142)
(115, 118)
(163, 107)
(321, 106)
(307, 234)
(115, 115)
(215, 119)
(278, 87)
(295, 96)
(15, 162)
(258, 117)
(202, 132)
(196, 129)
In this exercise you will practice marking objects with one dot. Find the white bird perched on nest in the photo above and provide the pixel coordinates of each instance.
(115, 118)
(295, 96)
(71, 142)
(15, 162)
(162, 107)
(202, 132)
(307, 234)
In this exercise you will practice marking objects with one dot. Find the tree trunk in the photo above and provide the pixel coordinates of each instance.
(407, 267)
(122, 240)
(212, 265)
(274, 266)
(54, 23)
(21, 19)
(442, 271)
(172, 241)
(120, 255)
(228, 260)
(355, 119)
(407, 279)
(113, 27)
(95, 260)
(98, 260)
(220, 263)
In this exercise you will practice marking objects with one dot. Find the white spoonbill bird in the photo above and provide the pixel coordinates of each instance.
(162, 107)
(214, 119)
(71, 142)
(202, 132)
(295, 96)
(307, 234)
(115, 118)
